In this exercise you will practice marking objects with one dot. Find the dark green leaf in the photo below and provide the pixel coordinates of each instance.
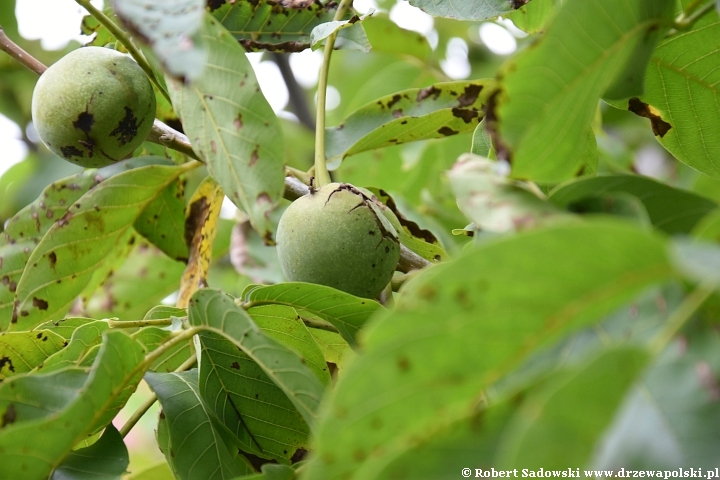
(671, 420)
(248, 403)
(20, 352)
(107, 458)
(436, 111)
(64, 261)
(163, 222)
(45, 416)
(551, 91)
(497, 302)
(195, 445)
(562, 420)
(346, 312)
(170, 29)
(284, 367)
(232, 127)
(670, 209)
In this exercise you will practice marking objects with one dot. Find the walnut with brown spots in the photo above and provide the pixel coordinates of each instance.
(93, 107)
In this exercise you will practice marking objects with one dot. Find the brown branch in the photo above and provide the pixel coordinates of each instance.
(14, 50)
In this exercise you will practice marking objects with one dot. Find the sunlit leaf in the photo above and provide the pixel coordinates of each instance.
(233, 128)
(354, 35)
(20, 352)
(549, 93)
(344, 311)
(152, 337)
(534, 16)
(386, 36)
(436, 111)
(84, 340)
(45, 416)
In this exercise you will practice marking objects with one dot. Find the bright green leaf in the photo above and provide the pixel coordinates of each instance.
(534, 16)
(355, 40)
(20, 352)
(34, 439)
(83, 340)
(436, 111)
(344, 311)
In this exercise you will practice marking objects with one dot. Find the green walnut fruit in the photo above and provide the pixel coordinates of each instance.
(337, 236)
(93, 107)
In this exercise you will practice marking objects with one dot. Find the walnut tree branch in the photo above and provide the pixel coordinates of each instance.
(14, 50)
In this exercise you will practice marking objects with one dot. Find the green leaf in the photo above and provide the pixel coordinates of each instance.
(698, 260)
(195, 444)
(233, 128)
(45, 416)
(344, 311)
(20, 352)
(247, 402)
(562, 420)
(534, 16)
(152, 337)
(145, 278)
(107, 458)
(163, 221)
(170, 29)
(670, 209)
(549, 93)
(78, 243)
(681, 93)
(436, 111)
(421, 241)
(65, 327)
(467, 10)
(283, 324)
(285, 368)
(354, 36)
(270, 25)
(495, 203)
(497, 302)
(481, 142)
(160, 471)
(332, 345)
(386, 36)
(671, 420)
(83, 340)
(25, 230)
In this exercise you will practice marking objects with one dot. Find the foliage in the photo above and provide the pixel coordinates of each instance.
(555, 305)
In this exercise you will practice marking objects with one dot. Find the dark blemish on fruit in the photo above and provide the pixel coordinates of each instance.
(447, 131)
(127, 128)
(84, 121)
(371, 232)
(659, 126)
(387, 249)
(71, 151)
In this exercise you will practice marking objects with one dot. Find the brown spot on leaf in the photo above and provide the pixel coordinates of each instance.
(213, 146)
(447, 131)
(659, 126)
(40, 303)
(430, 91)
(53, 258)
(6, 361)
(254, 155)
(9, 416)
(518, 3)
(466, 115)
(396, 98)
(238, 123)
(397, 113)
(235, 365)
(470, 95)
(403, 364)
(299, 455)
